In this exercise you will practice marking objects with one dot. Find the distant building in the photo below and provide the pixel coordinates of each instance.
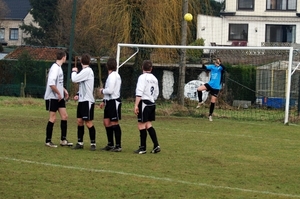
(18, 14)
(252, 23)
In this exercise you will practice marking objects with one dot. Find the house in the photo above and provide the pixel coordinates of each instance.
(37, 53)
(253, 23)
(16, 15)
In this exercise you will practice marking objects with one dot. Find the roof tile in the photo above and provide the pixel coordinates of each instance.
(37, 53)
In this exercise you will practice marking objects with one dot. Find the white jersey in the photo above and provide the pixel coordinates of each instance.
(112, 86)
(55, 78)
(147, 87)
(85, 78)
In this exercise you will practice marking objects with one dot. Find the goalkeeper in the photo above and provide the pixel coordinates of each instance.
(213, 86)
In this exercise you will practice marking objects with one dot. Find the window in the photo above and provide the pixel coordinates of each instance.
(280, 33)
(281, 4)
(2, 34)
(14, 34)
(238, 32)
(246, 4)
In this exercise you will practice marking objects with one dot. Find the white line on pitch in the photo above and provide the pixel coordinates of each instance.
(150, 177)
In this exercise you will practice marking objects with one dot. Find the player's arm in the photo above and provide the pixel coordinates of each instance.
(76, 97)
(136, 104)
(66, 94)
(223, 67)
(110, 86)
(204, 66)
(156, 91)
(52, 79)
(138, 93)
(79, 77)
(55, 90)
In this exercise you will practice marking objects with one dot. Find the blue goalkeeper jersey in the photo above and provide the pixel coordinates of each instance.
(215, 76)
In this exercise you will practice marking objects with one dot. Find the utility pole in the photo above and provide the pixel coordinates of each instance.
(182, 65)
(71, 43)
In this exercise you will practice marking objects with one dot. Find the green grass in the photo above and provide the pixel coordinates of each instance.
(199, 159)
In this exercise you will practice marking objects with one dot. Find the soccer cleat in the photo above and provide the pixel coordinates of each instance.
(210, 118)
(65, 143)
(107, 148)
(200, 104)
(140, 151)
(156, 149)
(50, 144)
(93, 147)
(116, 149)
(78, 146)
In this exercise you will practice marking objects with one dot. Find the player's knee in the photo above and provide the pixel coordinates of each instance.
(65, 117)
(89, 123)
(79, 122)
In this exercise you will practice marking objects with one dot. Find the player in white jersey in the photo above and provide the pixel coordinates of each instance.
(112, 110)
(55, 96)
(86, 101)
(146, 93)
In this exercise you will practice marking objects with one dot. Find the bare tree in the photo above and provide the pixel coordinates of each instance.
(101, 25)
(61, 33)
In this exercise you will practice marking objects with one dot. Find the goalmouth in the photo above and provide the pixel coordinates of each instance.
(272, 88)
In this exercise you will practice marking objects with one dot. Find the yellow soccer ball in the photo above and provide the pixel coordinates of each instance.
(188, 17)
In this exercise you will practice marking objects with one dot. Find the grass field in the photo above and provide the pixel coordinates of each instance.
(199, 159)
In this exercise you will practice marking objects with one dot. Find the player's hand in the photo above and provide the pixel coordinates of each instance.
(66, 95)
(76, 97)
(59, 97)
(136, 110)
(102, 105)
(75, 69)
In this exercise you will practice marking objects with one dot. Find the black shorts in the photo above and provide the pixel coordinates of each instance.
(212, 91)
(112, 109)
(53, 104)
(85, 110)
(146, 111)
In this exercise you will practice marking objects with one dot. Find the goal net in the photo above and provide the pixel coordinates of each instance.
(261, 83)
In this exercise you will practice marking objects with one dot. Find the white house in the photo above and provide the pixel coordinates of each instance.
(252, 23)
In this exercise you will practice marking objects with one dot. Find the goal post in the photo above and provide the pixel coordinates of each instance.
(273, 67)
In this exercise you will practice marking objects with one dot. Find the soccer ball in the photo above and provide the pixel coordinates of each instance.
(188, 17)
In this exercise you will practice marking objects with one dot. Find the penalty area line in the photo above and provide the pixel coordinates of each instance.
(149, 177)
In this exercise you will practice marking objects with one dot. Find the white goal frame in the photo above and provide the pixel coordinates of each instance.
(289, 74)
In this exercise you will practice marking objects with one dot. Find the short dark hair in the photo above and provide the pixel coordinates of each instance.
(60, 54)
(86, 59)
(147, 65)
(111, 64)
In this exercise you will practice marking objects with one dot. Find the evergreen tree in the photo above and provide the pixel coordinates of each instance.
(44, 13)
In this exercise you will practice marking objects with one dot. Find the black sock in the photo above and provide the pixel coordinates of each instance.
(118, 134)
(143, 138)
(110, 136)
(80, 133)
(211, 108)
(153, 136)
(199, 96)
(49, 130)
(63, 127)
(92, 132)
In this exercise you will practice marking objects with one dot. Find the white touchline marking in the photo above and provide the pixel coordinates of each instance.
(150, 177)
